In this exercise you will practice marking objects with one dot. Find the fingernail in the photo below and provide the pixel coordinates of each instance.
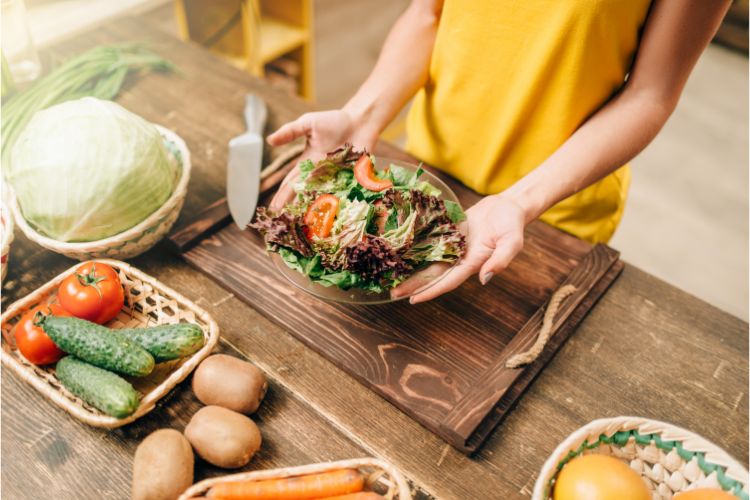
(487, 277)
(411, 300)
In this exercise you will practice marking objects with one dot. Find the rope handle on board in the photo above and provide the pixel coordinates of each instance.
(524, 358)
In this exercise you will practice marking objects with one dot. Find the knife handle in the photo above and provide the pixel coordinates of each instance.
(216, 215)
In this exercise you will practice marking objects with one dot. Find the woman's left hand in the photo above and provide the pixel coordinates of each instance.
(496, 227)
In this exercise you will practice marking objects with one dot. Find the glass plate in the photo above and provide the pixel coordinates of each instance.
(426, 277)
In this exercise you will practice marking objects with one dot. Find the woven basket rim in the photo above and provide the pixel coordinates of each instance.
(148, 403)
(609, 426)
(402, 487)
(8, 230)
(128, 234)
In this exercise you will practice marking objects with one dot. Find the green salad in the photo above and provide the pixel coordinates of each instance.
(351, 226)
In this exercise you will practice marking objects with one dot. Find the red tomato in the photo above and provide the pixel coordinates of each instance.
(364, 172)
(93, 293)
(321, 215)
(31, 340)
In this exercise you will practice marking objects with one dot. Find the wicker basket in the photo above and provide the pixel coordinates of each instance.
(147, 303)
(137, 239)
(382, 477)
(670, 459)
(6, 237)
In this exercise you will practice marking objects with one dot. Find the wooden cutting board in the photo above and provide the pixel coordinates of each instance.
(441, 362)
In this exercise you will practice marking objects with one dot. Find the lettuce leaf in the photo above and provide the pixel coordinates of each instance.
(330, 175)
(305, 168)
(282, 231)
(444, 243)
(331, 179)
(454, 211)
(403, 235)
(391, 222)
(313, 269)
(402, 177)
(376, 261)
(349, 228)
(427, 188)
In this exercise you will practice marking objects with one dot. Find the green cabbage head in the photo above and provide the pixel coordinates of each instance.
(88, 169)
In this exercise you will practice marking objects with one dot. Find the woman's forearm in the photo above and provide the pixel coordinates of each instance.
(401, 69)
(608, 140)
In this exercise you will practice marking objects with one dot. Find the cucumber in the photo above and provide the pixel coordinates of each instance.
(98, 345)
(101, 389)
(166, 342)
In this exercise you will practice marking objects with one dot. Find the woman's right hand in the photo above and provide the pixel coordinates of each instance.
(324, 131)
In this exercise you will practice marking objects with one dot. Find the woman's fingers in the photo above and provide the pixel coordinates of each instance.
(501, 257)
(419, 280)
(281, 197)
(457, 275)
(290, 131)
(285, 192)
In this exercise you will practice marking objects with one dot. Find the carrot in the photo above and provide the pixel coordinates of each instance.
(312, 486)
(362, 495)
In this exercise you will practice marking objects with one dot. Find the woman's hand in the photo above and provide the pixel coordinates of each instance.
(325, 131)
(496, 227)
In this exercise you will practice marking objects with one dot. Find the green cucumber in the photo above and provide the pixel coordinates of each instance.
(101, 389)
(166, 342)
(98, 345)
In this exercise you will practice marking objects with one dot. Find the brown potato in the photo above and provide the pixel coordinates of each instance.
(163, 466)
(229, 382)
(223, 437)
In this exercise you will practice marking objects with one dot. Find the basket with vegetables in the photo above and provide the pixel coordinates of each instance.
(355, 479)
(639, 459)
(92, 179)
(105, 341)
(353, 233)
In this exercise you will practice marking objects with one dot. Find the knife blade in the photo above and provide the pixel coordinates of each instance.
(244, 165)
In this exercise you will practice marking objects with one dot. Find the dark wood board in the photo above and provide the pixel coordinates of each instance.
(443, 362)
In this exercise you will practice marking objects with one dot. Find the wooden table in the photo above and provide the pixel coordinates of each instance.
(647, 349)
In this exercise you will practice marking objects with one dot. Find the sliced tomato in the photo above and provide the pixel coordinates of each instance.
(364, 172)
(321, 215)
(31, 340)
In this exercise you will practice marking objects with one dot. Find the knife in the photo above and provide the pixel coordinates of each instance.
(245, 159)
(216, 215)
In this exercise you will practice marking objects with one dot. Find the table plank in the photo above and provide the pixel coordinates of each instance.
(647, 349)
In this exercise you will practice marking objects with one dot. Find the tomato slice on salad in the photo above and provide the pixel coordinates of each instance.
(320, 216)
(364, 172)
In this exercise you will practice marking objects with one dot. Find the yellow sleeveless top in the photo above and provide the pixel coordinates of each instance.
(511, 80)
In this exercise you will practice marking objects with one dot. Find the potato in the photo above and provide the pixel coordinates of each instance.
(163, 466)
(223, 437)
(229, 382)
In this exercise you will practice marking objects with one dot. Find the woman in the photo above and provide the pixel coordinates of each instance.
(538, 104)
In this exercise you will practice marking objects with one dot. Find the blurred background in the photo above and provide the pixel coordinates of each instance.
(687, 216)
